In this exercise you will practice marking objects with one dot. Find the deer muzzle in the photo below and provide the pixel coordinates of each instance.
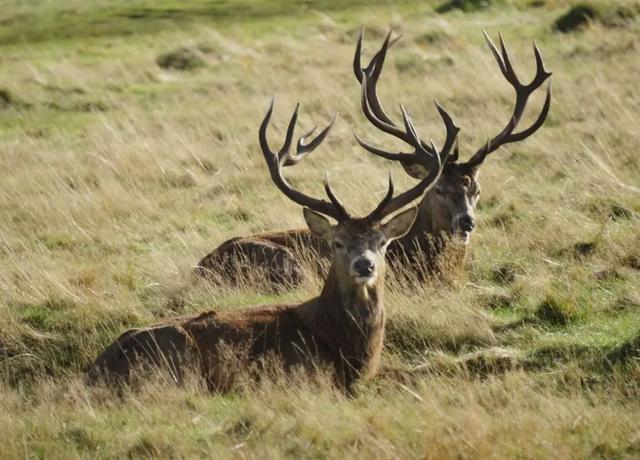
(363, 269)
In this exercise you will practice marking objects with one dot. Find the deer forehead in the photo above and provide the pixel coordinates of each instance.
(458, 182)
(358, 233)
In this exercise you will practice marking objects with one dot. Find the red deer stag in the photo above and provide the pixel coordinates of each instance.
(445, 215)
(447, 212)
(342, 329)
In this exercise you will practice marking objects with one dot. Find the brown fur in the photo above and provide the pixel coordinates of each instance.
(429, 250)
(342, 328)
(237, 258)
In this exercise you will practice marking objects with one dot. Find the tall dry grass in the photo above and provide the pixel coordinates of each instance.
(117, 177)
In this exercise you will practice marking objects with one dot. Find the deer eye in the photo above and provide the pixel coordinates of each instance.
(442, 193)
(338, 245)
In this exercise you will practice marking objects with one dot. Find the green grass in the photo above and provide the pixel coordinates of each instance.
(117, 176)
(117, 18)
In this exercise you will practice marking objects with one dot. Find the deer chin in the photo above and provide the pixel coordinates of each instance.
(363, 280)
(462, 236)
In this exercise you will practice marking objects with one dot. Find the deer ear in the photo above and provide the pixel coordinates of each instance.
(399, 225)
(415, 170)
(318, 224)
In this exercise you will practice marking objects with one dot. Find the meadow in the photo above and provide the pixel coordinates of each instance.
(128, 151)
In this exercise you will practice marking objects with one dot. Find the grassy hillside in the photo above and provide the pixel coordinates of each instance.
(117, 174)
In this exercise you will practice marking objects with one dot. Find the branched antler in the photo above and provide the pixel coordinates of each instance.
(523, 92)
(283, 157)
(430, 158)
(372, 108)
(375, 113)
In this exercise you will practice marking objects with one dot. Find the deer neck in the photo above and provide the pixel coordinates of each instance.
(423, 232)
(427, 248)
(349, 319)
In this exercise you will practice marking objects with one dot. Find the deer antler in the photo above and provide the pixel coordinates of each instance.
(372, 108)
(430, 158)
(523, 92)
(373, 71)
(283, 157)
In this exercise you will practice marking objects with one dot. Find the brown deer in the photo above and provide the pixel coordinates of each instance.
(342, 329)
(446, 214)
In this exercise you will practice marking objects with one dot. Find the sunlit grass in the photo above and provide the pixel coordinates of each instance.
(117, 177)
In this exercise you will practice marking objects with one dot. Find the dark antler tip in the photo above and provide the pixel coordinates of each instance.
(446, 117)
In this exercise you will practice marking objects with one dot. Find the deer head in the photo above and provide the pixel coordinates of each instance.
(450, 206)
(358, 244)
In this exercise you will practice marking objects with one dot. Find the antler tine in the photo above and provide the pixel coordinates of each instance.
(276, 160)
(432, 159)
(496, 54)
(451, 129)
(283, 153)
(510, 74)
(522, 96)
(377, 62)
(407, 158)
(538, 122)
(377, 214)
(358, 70)
(371, 105)
(332, 197)
(453, 157)
(410, 136)
(302, 149)
(374, 112)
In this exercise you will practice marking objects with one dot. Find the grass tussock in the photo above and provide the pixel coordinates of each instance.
(119, 175)
(180, 59)
(557, 310)
(467, 6)
(577, 17)
(610, 14)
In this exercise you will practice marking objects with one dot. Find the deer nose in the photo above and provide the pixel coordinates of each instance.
(467, 223)
(364, 267)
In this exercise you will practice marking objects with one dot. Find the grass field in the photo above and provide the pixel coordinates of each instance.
(117, 175)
